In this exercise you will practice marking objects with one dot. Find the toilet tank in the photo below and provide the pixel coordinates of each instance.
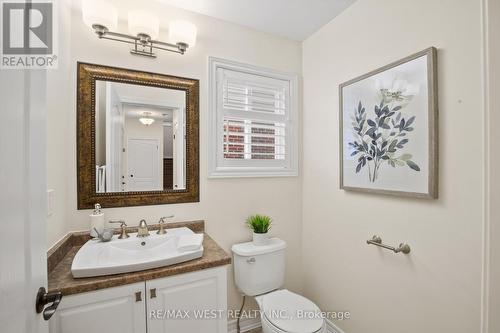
(259, 269)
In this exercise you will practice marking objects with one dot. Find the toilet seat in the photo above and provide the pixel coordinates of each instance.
(282, 309)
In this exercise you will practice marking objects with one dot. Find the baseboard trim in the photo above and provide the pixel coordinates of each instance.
(253, 323)
(245, 324)
(332, 328)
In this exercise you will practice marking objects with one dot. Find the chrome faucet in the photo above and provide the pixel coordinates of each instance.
(142, 229)
(123, 229)
(161, 230)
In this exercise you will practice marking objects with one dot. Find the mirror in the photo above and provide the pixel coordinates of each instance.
(137, 137)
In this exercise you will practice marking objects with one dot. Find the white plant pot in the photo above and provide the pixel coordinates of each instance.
(260, 239)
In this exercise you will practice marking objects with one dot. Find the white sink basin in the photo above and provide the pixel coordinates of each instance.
(96, 258)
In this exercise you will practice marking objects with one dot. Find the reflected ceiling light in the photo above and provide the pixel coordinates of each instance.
(146, 120)
(143, 26)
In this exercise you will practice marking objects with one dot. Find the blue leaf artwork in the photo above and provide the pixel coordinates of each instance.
(381, 136)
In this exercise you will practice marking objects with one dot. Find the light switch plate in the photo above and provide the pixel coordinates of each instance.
(50, 201)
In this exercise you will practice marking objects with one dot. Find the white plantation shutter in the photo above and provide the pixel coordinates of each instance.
(254, 124)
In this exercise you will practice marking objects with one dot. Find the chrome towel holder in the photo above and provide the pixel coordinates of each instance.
(377, 241)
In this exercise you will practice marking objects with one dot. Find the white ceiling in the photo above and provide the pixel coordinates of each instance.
(150, 96)
(133, 111)
(159, 102)
(295, 19)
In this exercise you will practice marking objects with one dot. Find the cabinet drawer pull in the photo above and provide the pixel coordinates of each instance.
(138, 296)
(152, 293)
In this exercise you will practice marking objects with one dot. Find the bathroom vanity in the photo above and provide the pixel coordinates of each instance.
(151, 157)
(155, 300)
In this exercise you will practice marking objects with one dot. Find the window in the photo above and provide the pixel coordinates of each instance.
(253, 121)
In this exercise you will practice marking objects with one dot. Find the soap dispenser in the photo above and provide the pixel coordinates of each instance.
(96, 221)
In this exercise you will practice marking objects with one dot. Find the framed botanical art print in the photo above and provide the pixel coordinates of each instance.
(389, 129)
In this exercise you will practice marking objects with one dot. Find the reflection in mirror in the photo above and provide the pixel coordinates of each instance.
(139, 138)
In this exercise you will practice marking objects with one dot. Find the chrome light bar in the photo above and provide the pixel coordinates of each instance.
(142, 43)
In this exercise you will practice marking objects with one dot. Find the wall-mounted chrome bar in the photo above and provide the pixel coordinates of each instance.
(377, 241)
(143, 44)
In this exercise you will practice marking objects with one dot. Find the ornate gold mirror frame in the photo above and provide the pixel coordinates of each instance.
(86, 173)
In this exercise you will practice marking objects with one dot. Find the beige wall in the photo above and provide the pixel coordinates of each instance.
(493, 162)
(59, 112)
(437, 288)
(224, 203)
(168, 142)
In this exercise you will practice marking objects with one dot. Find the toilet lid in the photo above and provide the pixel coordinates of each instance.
(291, 312)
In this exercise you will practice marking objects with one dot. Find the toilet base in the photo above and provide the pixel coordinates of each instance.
(268, 327)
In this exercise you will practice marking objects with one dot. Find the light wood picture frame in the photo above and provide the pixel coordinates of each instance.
(389, 129)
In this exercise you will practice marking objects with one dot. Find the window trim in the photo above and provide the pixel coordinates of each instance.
(217, 171)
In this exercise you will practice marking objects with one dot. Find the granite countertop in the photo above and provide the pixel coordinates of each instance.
(60, 258)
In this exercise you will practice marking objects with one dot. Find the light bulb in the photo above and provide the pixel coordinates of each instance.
(143, 22)
(99, 12)
(182, 32)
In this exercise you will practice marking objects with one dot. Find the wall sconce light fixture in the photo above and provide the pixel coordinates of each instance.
(143, 26)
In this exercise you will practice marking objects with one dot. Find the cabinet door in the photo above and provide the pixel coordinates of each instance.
(188, 303)
(112, 310)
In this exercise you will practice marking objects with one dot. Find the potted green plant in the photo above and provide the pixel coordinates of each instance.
(260, 225)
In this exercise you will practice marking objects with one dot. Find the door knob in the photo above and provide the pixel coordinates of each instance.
(43, 298)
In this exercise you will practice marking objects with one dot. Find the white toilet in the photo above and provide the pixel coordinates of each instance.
(259, 271)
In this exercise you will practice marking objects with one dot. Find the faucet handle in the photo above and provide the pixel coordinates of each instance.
(123, 226)
(163, 218)
(161, 222)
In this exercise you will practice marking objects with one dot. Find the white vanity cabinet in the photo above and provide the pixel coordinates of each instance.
(112, 310)
(154, 306)
(192, 302)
